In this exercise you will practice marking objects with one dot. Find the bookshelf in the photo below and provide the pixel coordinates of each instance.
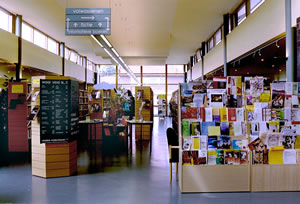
(83, 104)
(143, 95)
(174, 110)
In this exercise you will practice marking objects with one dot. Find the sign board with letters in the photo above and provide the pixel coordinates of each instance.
(88, 21)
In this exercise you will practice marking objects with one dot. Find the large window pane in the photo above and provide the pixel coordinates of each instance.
(218, 36)
(154, 69)
(175, 69)
(27, 32)
(211, 44)
(149, 79)
(5, 21)
(52, 46)
(67, 53)
(90, 65)
(74, 57)
(241, 14)
(254, 4)
(40, 39)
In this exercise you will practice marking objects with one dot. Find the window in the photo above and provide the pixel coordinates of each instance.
(147, 69)
(90, 65)
(27, 32)
(52, 46)
(39, 39)
(211, 43)
(67, 53)
(74, 57)
(175, 69)
(241, 13)
(254, 4)
(218, 36)
(5, 21)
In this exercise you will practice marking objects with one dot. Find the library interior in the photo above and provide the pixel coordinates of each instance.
(177, 101)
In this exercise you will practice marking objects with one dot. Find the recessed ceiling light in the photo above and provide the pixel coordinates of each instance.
(235, 70)
(273, 65)
(275, 57)
(248, 73)
(262, 59)
(280, 70)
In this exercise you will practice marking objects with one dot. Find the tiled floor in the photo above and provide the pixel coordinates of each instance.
(140, 179)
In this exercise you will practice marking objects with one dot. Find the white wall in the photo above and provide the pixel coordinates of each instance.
(267, 22)
(37, 57)
(214, 58)
(197, 70)
(9, 46)
(74, 70)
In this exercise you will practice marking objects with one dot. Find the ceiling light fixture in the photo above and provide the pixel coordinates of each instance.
(113, 49)
(259, 53)
(277, 44)
(262, 59)
(115, 56)
(105, 40)
(97, 41)
(273, 65)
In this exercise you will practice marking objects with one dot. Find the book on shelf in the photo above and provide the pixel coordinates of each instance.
(187, 143)
(185, 128)
(204, 127)
(212, 142)
(224, 126)
(208, 114)
(224, 142)
(203, 142)
(195, 142)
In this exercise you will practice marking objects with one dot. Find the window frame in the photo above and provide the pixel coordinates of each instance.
(10, 23)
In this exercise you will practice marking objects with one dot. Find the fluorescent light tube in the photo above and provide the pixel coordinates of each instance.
(105, 40)
(121, 60)
(116, 53)
(97, 40)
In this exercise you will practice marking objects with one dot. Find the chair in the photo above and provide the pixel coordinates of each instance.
(173, 146)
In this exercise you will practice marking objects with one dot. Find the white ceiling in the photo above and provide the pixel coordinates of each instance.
(142, 31)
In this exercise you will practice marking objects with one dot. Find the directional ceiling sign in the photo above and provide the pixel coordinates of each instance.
(88, 21)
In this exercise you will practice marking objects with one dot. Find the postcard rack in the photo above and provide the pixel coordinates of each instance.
(243, 156)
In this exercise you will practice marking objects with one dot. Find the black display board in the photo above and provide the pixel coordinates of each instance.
(59, 110)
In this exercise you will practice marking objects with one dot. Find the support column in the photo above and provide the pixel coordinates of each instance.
(117, 76)
(225, 33)
(19, 34)
(289, 42)
(202, 58)
(298, 49)
(185, 73)
(85, 71)
(62, 54)
(166, 86)
(141, 75)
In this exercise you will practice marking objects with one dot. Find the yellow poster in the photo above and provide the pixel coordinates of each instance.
(276, 155)
(214, 131)
(17, 88)
(297, 143)
(223, 114)
(196, 143)
(264, 97)
(35, 81)
(239, 85)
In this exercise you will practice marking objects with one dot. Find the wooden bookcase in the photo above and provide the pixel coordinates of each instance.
(147, 111)
(83, 104)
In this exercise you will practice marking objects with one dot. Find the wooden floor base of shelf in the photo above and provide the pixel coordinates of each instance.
(217, 178)
(275, 177)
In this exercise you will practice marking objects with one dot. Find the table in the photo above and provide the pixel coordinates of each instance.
(139, 122)
(94, 140)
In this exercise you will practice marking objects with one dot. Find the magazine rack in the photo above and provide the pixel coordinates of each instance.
(210, 178)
